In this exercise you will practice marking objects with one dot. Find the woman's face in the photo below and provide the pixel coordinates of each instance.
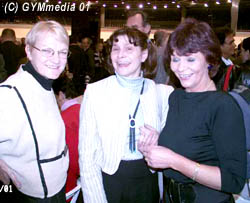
(127, 58)
(100, 47)
(245, 55)
(48, 66)
(191, 70)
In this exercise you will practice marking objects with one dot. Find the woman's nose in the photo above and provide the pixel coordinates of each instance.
(56, 57)
(181, 66)
(121, 53)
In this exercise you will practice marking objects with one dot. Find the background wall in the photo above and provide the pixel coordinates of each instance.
(22, 29)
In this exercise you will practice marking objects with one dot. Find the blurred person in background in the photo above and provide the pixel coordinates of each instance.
(86, 44)
(100, 69)
(161, 39)
(11, 52)
(140, 20)
(226, 73)
(245, 53)
(69, 100)
(77, 63)
(241, 93)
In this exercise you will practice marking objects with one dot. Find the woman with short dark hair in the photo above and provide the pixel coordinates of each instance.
(202, 146)
(245, 53)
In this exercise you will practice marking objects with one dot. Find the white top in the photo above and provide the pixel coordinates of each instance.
(17, 146)
(134, 85)
(103, 129)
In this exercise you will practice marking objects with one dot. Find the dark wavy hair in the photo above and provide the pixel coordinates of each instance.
(246, 44)
(137, 38)
(194, 36)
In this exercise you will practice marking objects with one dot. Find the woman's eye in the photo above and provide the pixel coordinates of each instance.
(175, 59)
(191, 59)
(129, 48)
(115, 49)
(63, 52)
(47, 51)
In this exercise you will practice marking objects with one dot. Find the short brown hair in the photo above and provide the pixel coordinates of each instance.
(144, 16)
(194, 36)
(246, 44)
(8, 32)
(137, 38)
(222, 33)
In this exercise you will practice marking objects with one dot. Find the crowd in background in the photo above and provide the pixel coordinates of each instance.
(92, 75)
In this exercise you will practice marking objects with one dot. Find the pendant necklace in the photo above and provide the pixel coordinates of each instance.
(132, 124)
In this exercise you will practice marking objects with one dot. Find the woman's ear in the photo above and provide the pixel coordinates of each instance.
(144, 55)
(147, 29)
(28, 52)
(248, 54)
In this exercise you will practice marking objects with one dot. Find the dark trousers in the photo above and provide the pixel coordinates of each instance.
(132, 183)
(18, 197)
(176, 192)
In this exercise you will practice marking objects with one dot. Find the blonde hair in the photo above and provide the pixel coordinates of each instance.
(43, 27)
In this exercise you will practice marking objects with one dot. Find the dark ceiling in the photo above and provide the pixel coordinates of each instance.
(215, 14)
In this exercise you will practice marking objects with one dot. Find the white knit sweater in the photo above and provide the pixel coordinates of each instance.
(17, 146)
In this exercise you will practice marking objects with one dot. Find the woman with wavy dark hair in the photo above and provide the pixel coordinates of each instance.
(202, 146)
(115, 112)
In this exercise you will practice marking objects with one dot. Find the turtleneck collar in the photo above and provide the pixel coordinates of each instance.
(44, 82)
(132, 83)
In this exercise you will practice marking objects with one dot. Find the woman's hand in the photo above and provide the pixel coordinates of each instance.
(148, 137)
(7, 174)
(159, 157)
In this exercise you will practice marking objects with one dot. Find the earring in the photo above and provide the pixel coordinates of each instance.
(210, 67)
